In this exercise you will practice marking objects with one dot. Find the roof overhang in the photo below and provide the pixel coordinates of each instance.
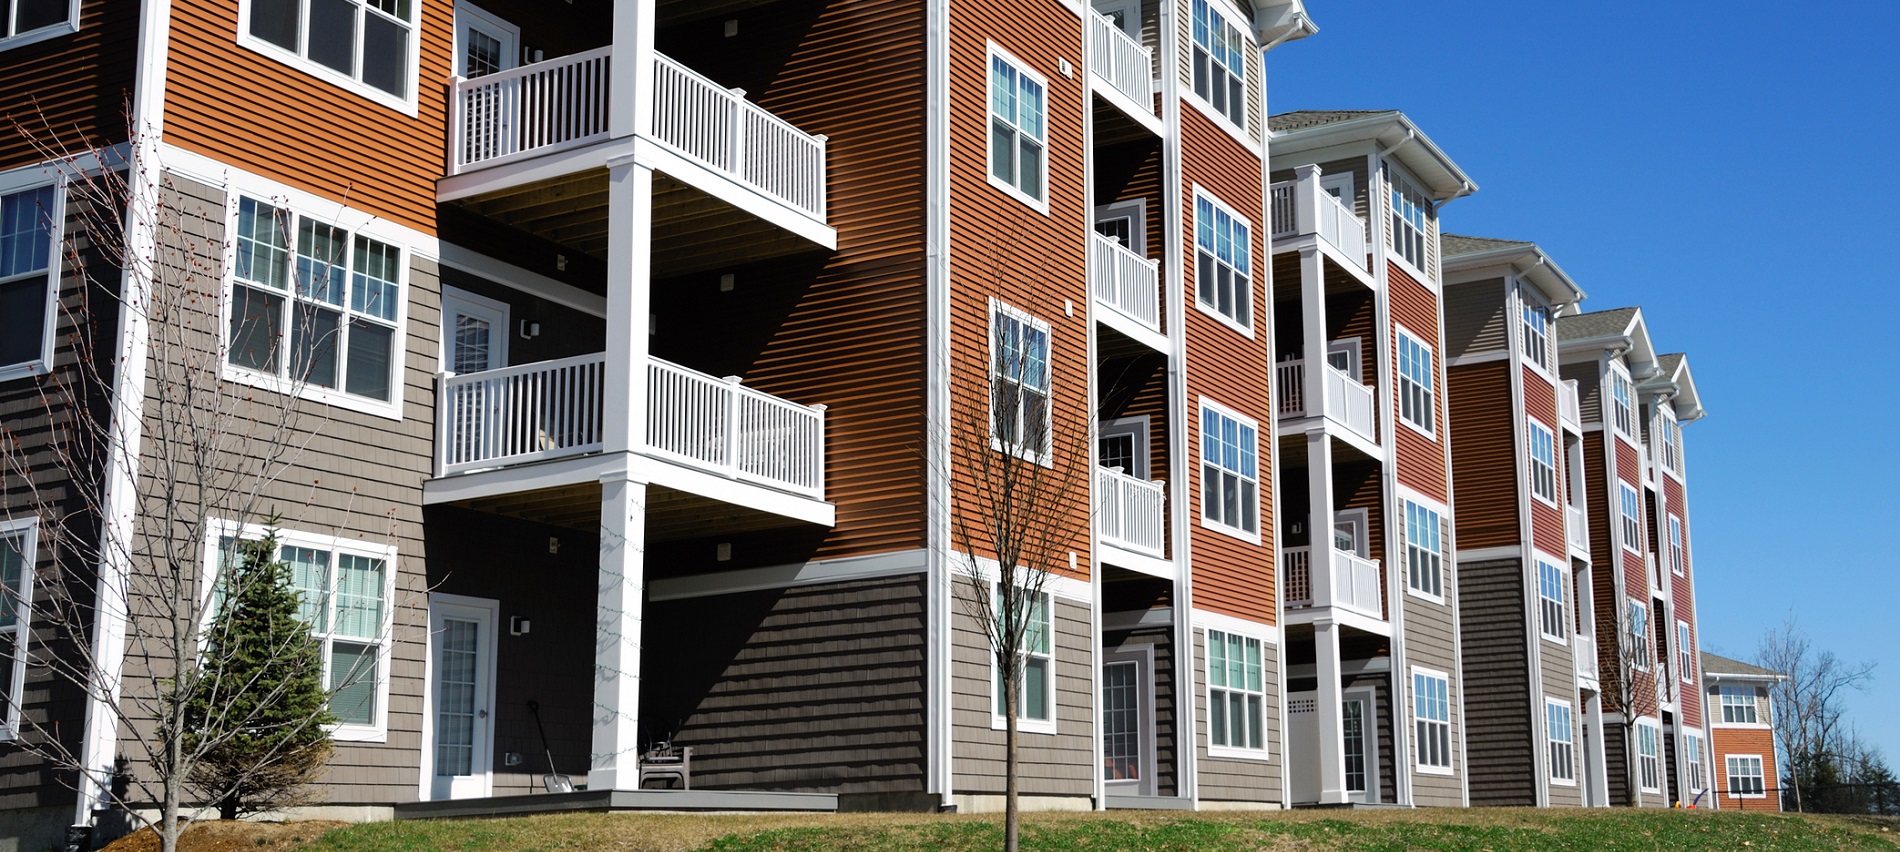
(1681, 387)
(1632, 341)
(1528, 262)
(1396, 137)
(1279, 21)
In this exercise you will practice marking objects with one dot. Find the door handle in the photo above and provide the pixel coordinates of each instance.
(481, 714)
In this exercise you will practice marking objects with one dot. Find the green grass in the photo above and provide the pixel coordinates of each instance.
(1442, 829)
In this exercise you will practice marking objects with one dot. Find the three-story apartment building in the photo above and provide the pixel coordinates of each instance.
(1740, 698)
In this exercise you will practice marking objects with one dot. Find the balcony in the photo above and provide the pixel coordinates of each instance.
(1121, 66)
(562, 105)
(1131, 513)
(1125, 282)
(1301, 208)
(1347, 402)
(1586, 657)
(552, 409)
(1569, 411)
(1577, 529)
(1356, 584)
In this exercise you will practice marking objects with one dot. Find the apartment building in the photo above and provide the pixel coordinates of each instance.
(1524, 559)
(629, 350)
(1376, 697)
(1633, 403)
(1740, 698)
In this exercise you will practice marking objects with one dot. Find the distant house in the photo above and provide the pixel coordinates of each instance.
(1742, 730)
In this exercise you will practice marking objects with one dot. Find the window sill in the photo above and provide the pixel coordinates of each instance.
(1560, 782)
(1424, 596)
(391, 410)
(1243, 330)
(358, 734)
(1548, 501)
(25, 369)
(1436, 770)
(67, 27)
(1428, 434)
(406, 106)
(1559, 641)
(1040, 205)
(1233, 753)
(1230, 532)
(1024, 726)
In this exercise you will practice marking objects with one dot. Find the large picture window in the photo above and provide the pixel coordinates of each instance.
(1230, 472)
(1019, 134)
(314, 306)
(1019, 382)
(1236, 692)
(28, 230)
(369, 43)
(1423, 556)
(1223, 275)
(1431, 715)
(1745, 779)
(1416, 384)
(17, 552)
(1220, 63)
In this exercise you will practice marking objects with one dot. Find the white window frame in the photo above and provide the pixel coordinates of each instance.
(1677, 564)
(1426, 725)
(281, 381)
(1418, 555)
(1739, 698)
(1409, 386)
(1046, 602)
(405, 103)
(38, 34)
(55, 226)
(217, 530)
(994, 55)
(1534, 326)
(1542, 468)
(26, 534)
(1760, 775)
(1217, 69)
(1698, 779)
(1630, 514)
(1649, 756)
(1685, 651)
(1671, 433)
(1252, 700)
(1251, 516)
(1636, 626)
(1553, 611)
(1560, 739)
(1241, 276)
(1407, 202)
(1040, 455)
(1622, 404)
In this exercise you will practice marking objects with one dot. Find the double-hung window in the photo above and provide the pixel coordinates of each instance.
(1220, 63)
(1411, 220)
(1562, 741)
(1685, 652)
(1543, 447)
(1424, 559)
(1698, 781)
(1536, 327)
(1230, 471)
(313, 306)
(17, 548)
(1649, 756)
(28, 231)
(1675, 546)
(27, 21)
(345, 589)
(1019, 383)
(1671, 453)
(1035, 704)
(1550, 593)
(1632, 517)
(1745, 776)
(1623, 400)
(1236, 693)
(1637, 635)
(1738, 706)
(1223, 248)
(368, 44)
(1431, 716)
(1019, 133)
(1416, 383)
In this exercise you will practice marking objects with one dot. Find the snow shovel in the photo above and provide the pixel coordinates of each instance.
(554, 781)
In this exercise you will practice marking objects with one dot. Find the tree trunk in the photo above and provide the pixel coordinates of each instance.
(1010, 701)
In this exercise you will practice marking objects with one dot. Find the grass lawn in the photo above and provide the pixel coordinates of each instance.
(1475, 829)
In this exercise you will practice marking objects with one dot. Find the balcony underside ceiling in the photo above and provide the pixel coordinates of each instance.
(671, 514)
(1293, 450)
(1112, 126)
(670, 12)
(692, 231)
(1286, 277)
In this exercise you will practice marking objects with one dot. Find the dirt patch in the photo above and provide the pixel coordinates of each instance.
(232, 836)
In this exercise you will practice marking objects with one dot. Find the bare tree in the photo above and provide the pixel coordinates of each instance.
(1811, 731)
(145, 467)
(1626, 695)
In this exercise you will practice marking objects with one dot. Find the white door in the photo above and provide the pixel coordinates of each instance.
(1127, 222)
(1125, 14)
(1361, 747)
(461, 696)
(1349, 531)
(484, 43)
(1127, 723)
(1124, 444)
(474, 332)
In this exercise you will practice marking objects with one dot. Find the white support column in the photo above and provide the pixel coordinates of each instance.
(1328, 690)
(1313, 329)
(622, 588)
(1306, 194)
(1598, 777)
(630, 75)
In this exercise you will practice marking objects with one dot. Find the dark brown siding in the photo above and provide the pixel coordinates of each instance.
(1485, 456)
(1421, 460)
(73, 90)
(1498, 714)
(1475, 320)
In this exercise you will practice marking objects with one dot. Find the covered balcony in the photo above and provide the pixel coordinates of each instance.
(1131, 516)
(1344, 400)
(1129, 287)
(1121, 70)
(1356, 584)
(1303, 209)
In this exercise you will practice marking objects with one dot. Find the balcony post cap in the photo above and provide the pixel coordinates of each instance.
(1306, 170)
(820, 407)
(821, 137)
(731, 380)
(737, 91)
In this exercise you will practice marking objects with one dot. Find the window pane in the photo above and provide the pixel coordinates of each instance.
(25, 232)
(386, 55)
(1216, 659)
(313, 345)
(12, 568)
(254, 332)
(1036, 689)
(34, 14)
(22, 320)
(310, 574)
(373, 289)
(262, 247)
(275, 21)
(1002, 151)
(1217, 719)
(353, 678)
(333, 34)
(1030, 179)
(359, 596)
(321, 262)
(368, 364)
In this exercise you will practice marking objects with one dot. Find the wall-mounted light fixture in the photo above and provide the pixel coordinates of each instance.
(519, 626)
(554, 546)
(723, 552)
(726, 282)
(732, 28)
(530, 330)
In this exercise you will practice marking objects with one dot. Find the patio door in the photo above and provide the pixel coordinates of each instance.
(1124, 444)
(1361, 747)
(1127, 723)
(460, 755)
(474, 332)
(484, 44)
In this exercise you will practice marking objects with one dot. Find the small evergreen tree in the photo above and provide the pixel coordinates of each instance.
(261, 666)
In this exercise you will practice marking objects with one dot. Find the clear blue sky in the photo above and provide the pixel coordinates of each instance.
(1731, 168)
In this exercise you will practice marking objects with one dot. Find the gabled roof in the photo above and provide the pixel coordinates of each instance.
(1687, 402)
(1614, 322)
(1622, 328)
(1715, 665)
(1525, 259)
(1315, 117)
(1457, 244)
(1297, 137)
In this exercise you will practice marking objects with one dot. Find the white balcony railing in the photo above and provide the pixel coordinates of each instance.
(1301, 207)
(1125, 281)
(1586, 656)
(552, 409)
(1131, 511)
(1356, 583)
(562, 103)
(1347, 401)
(1568, 409)
(1577, 528)
(1121, 61)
